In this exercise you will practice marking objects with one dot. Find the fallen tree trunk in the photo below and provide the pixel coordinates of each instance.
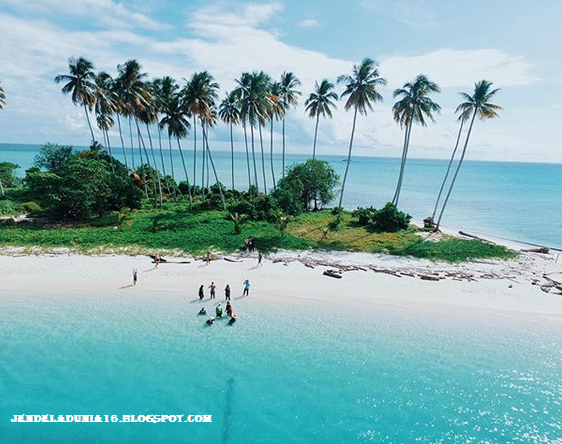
(472, 236)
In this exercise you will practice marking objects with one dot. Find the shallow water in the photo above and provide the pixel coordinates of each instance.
(521, 201)
(299, 371)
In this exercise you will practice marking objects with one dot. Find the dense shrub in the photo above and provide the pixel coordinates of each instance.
(31, 208)
(7, 176)
(386, 220)
(9, 208)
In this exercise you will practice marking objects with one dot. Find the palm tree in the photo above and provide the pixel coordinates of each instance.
(320, 103)
(478, 105)
(176, 120)
(361, 90)
(277, 111)
(462, 118)
(252, 91)
(166, 90)
(80, 84)
(207, 120)
(413, 107)
(289, 97)
(199, 95)
(240, 92)
(105, 106)
(230, 114)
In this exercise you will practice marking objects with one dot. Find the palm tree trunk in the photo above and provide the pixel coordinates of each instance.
(106, 135)
(1, 188)
(141, 143)
(254, 157)
(89, 123)
(206, 137)
(203, 156)
(132, 146)
(315, 136)
(154, 163)
(185, 171)
(162, 159)
(122, 142)
(283, 155)
(271, 154)
(262, 160)
(456, 171)
(447, 173)
(403, 165)
(232, 156)
(172, 165)
(194, 152)
(247, 155)
(347, 163)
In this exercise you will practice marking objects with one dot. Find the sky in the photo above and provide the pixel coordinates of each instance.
(513, 43)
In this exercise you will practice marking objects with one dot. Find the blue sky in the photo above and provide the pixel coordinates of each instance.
(515, 44)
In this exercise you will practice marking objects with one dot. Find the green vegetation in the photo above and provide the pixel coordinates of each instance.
(388, 219)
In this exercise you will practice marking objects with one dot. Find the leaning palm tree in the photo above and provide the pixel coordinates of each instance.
(165, 90)
(241, 91)
(462, 119)
(320, 103)
(230, 114)
(207, 120)
(176, 121)
(289, 97)
(80, 84)
(478, 105)
(361, 90)
(414, 106)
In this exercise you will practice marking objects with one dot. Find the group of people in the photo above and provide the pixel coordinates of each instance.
(218, 309)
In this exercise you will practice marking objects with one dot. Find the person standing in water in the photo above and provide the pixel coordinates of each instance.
(135, 276)
(213, 288)
(227, 293)
(201, 292)
(229, 309)
(246, 291)
(218, 311)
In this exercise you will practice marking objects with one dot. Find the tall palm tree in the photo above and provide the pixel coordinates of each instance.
(462, 118)
(320, 103)
(289, 97)
(176, 121)
(105, 106)
(478, 105)
(230, 114)
(208, 120)
(414, 106)
(240, 92)
(252, 91)
(276, 112)
(166, 90)
(80, 84)
(200, 94)
(361, 90)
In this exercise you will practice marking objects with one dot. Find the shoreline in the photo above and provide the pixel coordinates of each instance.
(515, 287)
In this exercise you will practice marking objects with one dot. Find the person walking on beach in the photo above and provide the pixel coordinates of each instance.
(227, 293)
(135, 276)
(213, 288)
(246, 291)
(201, 292)
(156, 260)
(260, 257)
(208, 258)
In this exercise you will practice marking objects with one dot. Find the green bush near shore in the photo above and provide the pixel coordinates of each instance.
(175, 227)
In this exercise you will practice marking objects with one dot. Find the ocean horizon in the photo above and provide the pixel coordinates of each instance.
(505, 200)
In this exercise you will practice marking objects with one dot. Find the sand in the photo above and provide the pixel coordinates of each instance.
(503, 287)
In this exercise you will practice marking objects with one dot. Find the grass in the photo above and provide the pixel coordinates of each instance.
(175, 228)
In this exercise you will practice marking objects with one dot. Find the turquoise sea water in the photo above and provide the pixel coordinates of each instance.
(290, 372)
(522, 201)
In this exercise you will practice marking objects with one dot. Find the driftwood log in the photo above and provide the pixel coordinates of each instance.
(333, 273)
(542, 250)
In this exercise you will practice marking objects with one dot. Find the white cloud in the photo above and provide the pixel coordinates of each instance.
(459, 68)
(414, 13)
(308, 23)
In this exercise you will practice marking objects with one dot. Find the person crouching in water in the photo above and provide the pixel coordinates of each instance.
(229, 310)
(218, 311)
(210, 321)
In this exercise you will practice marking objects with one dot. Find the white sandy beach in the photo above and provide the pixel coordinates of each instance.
(493, 286)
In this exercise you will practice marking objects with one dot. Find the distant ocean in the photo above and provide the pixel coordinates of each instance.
(520, 201)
